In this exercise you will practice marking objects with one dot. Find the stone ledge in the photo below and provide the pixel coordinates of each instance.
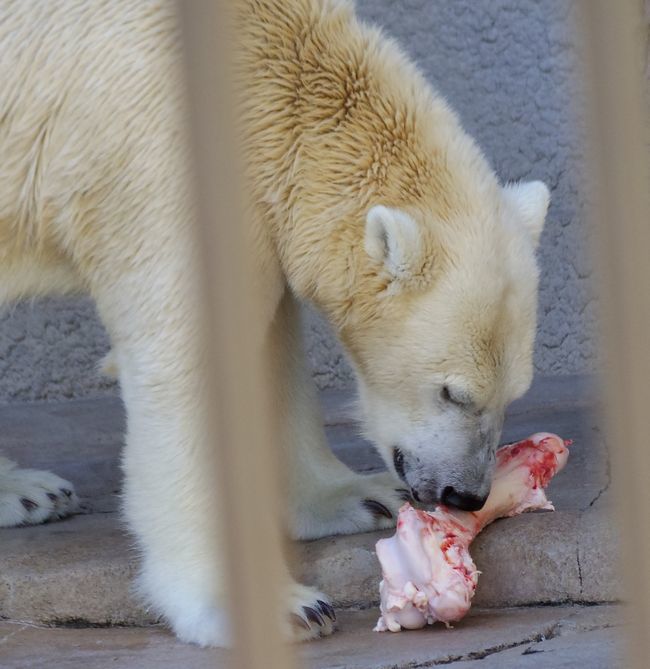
(81, 569)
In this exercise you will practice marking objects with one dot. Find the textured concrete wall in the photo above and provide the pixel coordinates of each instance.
(507, 67)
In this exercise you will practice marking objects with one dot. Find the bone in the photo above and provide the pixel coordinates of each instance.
(428, 573)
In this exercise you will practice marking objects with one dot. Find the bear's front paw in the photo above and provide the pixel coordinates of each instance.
(33, 496)
(355, 504)
(310, 614)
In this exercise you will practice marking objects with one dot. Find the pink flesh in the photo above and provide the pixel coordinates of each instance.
(427, 570)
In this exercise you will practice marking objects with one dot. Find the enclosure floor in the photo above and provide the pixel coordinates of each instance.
(78, 572)
(538, 637)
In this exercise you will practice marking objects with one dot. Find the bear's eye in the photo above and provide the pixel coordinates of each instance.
(456, 397)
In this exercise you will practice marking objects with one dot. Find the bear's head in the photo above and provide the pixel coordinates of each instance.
(442, 334)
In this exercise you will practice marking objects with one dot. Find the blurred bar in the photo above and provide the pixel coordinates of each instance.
(615, 49)
(243, 425)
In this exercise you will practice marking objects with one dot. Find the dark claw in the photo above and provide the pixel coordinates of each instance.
(52, 497)
(66, 492)
(377, 508)
(403, 494)
(313, 615)
(327, 609)
(299, 621)
(28, 504)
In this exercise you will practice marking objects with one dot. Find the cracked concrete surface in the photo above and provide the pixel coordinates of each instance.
(537, 638)
(508, 67)
(579, 568)
(593, 640)
(608, 472)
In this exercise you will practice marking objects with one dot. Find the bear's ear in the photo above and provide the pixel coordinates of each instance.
(393, 239)
(530, 200)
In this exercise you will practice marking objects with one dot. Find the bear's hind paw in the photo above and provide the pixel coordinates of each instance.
(33, 496)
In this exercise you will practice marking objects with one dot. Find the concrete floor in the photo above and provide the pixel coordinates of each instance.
(560, 568)
(535, 637)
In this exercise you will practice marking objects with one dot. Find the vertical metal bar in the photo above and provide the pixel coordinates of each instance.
(619, 145)
(245, 429)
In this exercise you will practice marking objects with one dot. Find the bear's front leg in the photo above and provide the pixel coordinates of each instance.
(171, 504)
(170, 494)
(326, 496)
(170, 498)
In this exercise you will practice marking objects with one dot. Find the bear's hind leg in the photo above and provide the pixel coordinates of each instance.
(33, 496)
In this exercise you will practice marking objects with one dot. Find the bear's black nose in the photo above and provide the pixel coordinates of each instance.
(461, 500)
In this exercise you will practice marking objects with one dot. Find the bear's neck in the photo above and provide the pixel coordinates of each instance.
(338, 120)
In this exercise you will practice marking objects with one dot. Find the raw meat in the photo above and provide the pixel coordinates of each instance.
(428, 574)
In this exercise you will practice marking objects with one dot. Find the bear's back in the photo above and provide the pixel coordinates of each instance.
(89, 111)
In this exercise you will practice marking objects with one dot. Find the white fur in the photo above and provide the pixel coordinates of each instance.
(393, 239)
(95, 197)
(32, 496)
(531, 200)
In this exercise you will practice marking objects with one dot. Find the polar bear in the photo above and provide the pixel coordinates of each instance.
(368, 200)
